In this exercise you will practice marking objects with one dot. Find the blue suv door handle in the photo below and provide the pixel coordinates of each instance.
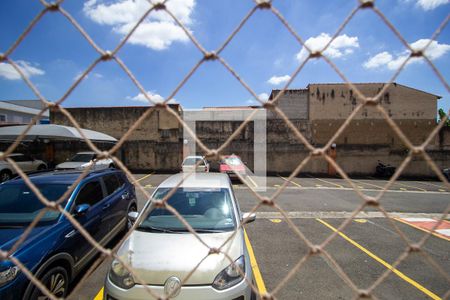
(106, 206)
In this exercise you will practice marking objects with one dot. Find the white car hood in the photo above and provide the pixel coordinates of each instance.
(157, 256)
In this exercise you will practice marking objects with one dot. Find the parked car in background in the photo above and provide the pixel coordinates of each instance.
(446, 173)
(54, 251)
(232, 164)
(190, 164)
(82, 160)
(25, 162)
(384, 170)
(163, 252)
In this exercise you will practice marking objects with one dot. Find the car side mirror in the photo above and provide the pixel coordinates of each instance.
(248, 217)
(80, 210)
(132, 216)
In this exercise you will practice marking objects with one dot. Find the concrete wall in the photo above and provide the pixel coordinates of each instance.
(154, 145)
(372, 132)
(115, 121)
(293, 103)
(337, 101)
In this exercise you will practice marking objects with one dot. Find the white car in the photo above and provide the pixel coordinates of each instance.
(25, 162)
(190, 164)
(162, 252)
(82, 160)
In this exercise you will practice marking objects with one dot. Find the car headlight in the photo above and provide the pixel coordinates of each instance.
(8, 275)
(120, 276)
(231, 275)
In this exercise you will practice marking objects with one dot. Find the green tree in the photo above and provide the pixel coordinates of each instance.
(442, 116)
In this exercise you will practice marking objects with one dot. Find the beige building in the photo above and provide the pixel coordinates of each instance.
(316, 111)
(327, 106)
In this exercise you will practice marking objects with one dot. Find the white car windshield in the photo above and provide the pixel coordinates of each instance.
(82, 158)
(233, 161)
(191, 161)
(205, 209)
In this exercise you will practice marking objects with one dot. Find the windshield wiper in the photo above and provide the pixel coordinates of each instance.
(208, 230)
(155, 229)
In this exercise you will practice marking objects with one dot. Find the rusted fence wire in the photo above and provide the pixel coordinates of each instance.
(314, 152)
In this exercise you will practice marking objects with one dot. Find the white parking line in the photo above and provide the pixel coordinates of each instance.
(328, 182)
(294, 183)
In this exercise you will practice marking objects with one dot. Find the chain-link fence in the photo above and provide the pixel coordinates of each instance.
(314, 152)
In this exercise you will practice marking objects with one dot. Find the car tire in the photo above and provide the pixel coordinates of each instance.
(42, 167)
(129, 224)
(5, 175)
(55, 280)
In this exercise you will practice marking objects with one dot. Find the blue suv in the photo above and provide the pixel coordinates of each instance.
(55, 252)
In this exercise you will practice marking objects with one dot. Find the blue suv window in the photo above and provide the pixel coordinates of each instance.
(13, 194)
(112, 183)
(91, 193)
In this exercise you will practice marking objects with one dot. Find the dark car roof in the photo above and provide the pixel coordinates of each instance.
(61, 177)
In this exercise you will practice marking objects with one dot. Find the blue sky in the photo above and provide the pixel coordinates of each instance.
(263, 53)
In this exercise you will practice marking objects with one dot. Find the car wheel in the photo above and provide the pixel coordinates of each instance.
(5, 175)
(129, 223)
(41, 167)
(56, 281)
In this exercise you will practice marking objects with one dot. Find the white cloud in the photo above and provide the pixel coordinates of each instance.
(157, 32)
(394, 61)
(341, 46)
(431, 4)
(276, 80)
(96, 75)
(7, 71)
(263, 97)
(154, 97)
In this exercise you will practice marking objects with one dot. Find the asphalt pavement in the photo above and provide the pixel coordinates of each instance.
(354, 259)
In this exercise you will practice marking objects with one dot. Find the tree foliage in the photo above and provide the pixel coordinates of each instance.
(442, 116)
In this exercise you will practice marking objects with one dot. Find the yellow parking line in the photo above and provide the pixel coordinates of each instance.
(99, 295)
(148, 175)
(256, 273)
(366, 183)
(441, 188)
(411, 187)
(294, 183)
(384, 263)
(329, 182)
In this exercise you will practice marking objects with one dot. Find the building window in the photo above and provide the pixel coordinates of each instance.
(3, 119)
(165, 133)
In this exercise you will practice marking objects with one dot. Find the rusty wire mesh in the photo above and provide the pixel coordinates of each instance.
(314, 152)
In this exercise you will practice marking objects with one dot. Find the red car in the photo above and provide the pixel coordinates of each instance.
(232, 164)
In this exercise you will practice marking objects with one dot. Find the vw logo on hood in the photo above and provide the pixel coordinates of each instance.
(172, 286)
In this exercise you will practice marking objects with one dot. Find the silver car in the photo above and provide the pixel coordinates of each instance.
(82, 160)
(25, 162)
(195, 164)
(162, 252)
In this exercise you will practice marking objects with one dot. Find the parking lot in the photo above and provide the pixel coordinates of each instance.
(367, 248)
